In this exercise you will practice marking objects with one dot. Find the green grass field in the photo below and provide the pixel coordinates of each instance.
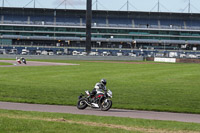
(3, 63)
(35, 122)
(160, 87)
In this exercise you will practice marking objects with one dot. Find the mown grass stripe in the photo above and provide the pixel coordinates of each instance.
(132, 128)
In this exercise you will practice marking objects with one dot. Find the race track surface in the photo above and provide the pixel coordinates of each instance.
(33, 63)
(181, 117)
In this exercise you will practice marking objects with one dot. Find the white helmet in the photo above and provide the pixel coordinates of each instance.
(103, 81)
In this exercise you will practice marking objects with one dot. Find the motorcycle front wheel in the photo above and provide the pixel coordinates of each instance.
(82, 104)
(106, 105)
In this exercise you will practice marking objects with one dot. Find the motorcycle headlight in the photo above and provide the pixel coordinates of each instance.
(87, 92)
(109, 93)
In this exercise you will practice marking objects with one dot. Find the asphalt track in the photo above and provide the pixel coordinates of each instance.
(181, 117)
(33, 63)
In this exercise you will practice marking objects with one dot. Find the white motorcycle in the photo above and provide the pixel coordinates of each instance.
(100, 100)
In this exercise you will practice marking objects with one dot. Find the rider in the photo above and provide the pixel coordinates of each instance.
(23, 60)
(99, 87)
(18, 60)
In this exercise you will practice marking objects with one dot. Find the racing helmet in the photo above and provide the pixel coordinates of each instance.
(103, 81)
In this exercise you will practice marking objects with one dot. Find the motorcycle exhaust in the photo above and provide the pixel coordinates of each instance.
(93, 105)
(88, 104)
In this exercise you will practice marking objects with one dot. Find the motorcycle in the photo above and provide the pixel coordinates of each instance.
(18, 61)
(100, 100)
(24, 60)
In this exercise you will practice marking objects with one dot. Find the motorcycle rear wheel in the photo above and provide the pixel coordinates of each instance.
(82, 104)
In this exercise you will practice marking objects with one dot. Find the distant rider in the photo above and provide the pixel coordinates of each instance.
(99, 88)
(23, 60)
(18, 60)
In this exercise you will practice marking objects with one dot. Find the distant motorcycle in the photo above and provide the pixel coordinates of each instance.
(18, 61)
(23, 60)
(100, 100)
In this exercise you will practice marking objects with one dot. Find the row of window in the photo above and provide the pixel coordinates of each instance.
(100, 33)
(97, 30)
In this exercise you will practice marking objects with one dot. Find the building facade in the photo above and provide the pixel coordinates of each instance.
(110, 29)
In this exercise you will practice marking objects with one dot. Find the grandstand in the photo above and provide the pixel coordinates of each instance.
(110, 29)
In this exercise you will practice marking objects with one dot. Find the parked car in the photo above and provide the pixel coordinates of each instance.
(25, 52)
(75, 53)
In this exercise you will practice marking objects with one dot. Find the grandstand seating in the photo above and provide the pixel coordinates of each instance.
(111, 29)
(121, 22)
(41, 17)
(172, 24)
(145, 22)
(102, 22)
(193, 23)
(69, 20)
(15, 18)
(98, 20)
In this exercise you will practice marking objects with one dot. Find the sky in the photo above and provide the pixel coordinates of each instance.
(135, 5)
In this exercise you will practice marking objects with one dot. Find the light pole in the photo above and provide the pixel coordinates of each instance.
(88, 26)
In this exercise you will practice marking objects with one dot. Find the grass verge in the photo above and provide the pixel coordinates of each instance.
(20, 121)
(4, 63)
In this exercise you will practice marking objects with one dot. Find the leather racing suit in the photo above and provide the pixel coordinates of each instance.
(98, 88)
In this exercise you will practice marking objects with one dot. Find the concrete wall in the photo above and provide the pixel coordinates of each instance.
(70, 57)
(150, 59)
(187, 60)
